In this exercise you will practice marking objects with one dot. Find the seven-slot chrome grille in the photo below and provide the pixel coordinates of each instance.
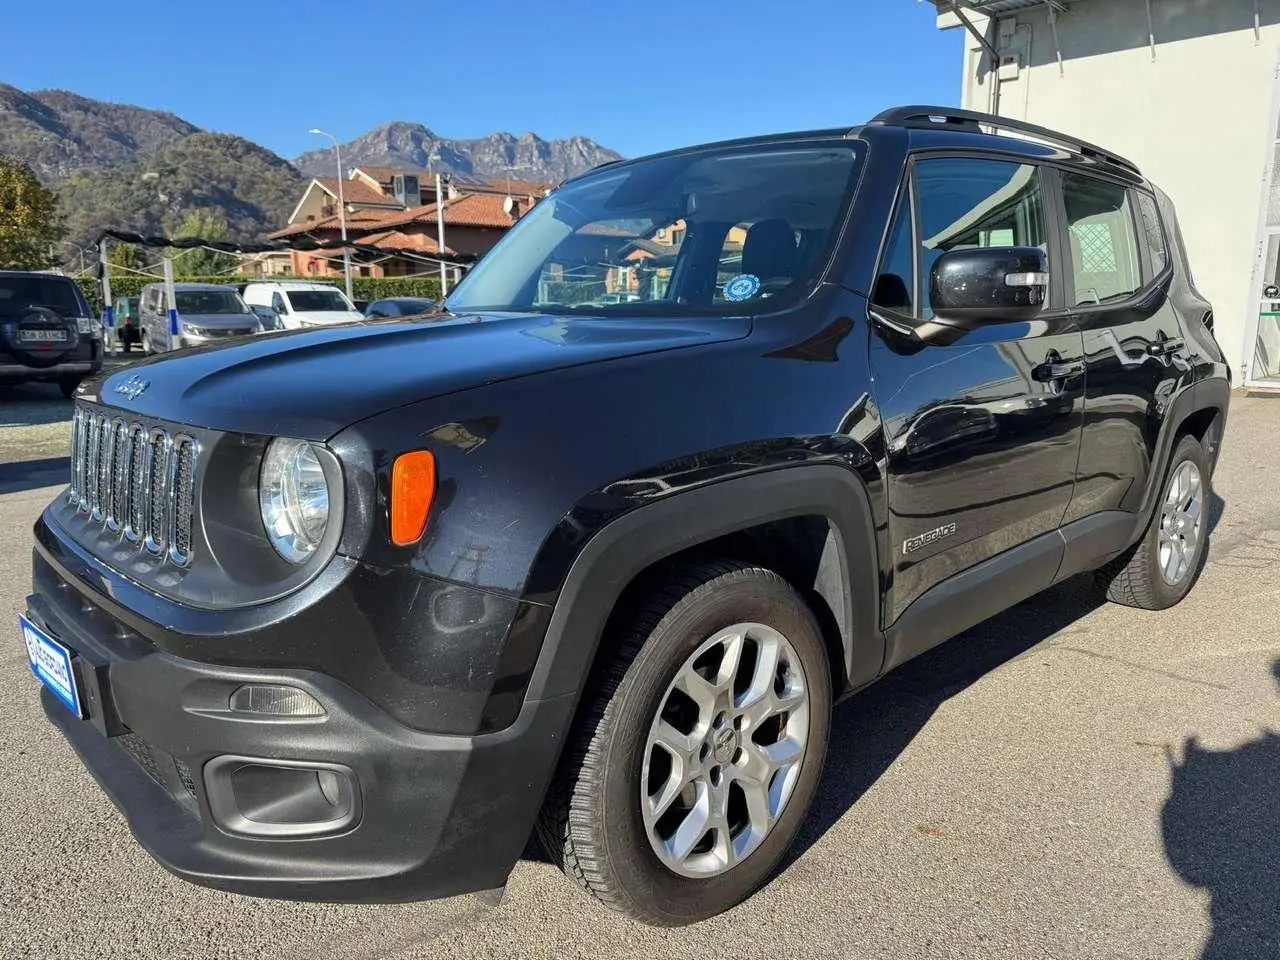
(135, 479)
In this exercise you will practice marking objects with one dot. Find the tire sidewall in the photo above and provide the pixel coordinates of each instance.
(1168, 594)
(639, 873)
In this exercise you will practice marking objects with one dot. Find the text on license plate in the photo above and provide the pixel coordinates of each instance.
(51, 663)
(42, 336)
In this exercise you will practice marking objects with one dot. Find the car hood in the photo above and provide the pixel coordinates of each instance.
(325, 317)
(312, 383)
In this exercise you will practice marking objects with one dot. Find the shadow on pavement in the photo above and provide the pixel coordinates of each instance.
(32, 404)
(1221, 828)
(872, 729)
(34, 474)
(875, 726)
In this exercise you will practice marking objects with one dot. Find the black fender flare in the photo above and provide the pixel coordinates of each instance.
(624, 548)
(1211, 393)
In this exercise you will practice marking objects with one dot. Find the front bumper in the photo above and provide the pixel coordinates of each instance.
(437, 814)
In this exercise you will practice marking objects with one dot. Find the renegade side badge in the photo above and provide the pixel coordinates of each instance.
(928, 537)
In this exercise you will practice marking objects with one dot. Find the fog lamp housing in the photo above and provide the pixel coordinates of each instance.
(274, 700)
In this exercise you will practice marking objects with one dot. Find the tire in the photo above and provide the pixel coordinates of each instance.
(1142, 577)
(593, 824)
(68, 386)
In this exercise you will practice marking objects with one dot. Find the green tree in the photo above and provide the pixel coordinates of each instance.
(29, 223)
(126, 255)
(197, 261)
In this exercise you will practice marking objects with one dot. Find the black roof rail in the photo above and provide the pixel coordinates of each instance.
(972, 120)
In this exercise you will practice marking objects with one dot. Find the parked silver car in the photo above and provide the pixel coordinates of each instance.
(209, 312)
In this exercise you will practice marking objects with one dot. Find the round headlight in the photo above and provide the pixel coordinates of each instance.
(294, 497)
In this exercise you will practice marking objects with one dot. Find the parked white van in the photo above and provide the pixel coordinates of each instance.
(302, 303)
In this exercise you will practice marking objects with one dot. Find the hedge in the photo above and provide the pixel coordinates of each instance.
(364, 288)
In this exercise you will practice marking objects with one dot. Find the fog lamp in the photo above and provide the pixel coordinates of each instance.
(273, 700)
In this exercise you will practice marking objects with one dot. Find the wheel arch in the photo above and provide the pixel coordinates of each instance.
(738, 512)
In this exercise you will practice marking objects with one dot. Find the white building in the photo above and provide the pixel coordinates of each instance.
(1187, 89)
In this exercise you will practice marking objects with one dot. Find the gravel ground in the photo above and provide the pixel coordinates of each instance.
(1066, 780)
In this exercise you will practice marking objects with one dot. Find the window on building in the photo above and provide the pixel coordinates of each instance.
(1104, 246)
(895, 283)
(968, 202)
(1152, 231)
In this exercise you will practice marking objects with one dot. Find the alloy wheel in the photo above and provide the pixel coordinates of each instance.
(725, 750)
(1181, 521)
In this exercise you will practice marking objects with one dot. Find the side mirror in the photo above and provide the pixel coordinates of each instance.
(969, 288)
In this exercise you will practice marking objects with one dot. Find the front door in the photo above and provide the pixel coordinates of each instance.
(982, 434)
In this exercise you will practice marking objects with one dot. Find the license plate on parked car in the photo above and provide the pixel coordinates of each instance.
(51, 663)
(42, 336)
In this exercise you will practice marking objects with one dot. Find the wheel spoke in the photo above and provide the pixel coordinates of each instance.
(758, 700)
(702, 693)
(760, 812)
(693, 827)
(1192, 491)
(783, 753)
(659, 803)
(729, 662)
(683, 747)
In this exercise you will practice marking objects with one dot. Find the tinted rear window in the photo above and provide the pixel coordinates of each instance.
(20, 294)
(317, 301)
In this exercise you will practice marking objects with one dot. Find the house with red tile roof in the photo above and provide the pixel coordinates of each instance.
(380, 213)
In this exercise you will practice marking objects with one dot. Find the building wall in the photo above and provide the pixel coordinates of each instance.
(1197, 118)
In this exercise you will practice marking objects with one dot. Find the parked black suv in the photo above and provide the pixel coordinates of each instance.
(710, 440)
(47, 331)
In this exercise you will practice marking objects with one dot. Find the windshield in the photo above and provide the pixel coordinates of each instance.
(727, 230)
(20, 294)
(206, 303)
(317, 301)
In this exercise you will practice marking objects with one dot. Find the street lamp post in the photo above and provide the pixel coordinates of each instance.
(444, 277)
(342, 209)
(79, 251)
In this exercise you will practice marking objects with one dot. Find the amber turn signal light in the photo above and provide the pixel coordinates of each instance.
(413, 484)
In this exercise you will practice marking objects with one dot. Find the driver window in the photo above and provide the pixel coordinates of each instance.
(967, 202)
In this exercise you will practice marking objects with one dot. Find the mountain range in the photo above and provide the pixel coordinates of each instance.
(131, 168)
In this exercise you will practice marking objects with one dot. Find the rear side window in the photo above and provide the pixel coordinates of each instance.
(968, 202)
(19, 294)
(1152, 232)
(1104, 247)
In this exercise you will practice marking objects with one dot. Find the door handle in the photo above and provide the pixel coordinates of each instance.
(1167, 346)
(1047, 372)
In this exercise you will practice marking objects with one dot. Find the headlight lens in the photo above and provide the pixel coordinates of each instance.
(294, 498)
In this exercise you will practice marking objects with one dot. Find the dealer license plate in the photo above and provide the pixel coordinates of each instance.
(51, 663)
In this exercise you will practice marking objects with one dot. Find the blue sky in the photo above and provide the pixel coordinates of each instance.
(636, 76)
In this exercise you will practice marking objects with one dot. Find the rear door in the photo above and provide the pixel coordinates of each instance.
(1118, 275)
(981, 440)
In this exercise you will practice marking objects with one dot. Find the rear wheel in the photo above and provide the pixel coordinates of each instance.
(1165, 564)
(68, 385)
(695, 764)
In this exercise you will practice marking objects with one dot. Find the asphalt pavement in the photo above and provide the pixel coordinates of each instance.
(1067, 780)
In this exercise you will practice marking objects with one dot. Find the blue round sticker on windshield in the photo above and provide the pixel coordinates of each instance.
(742, 287)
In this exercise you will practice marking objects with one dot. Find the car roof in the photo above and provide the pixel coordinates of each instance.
(192, 287)
(5, 274)
(293, 284)
(795, 136)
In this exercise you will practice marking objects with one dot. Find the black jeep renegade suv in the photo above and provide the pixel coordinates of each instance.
(710, 440)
